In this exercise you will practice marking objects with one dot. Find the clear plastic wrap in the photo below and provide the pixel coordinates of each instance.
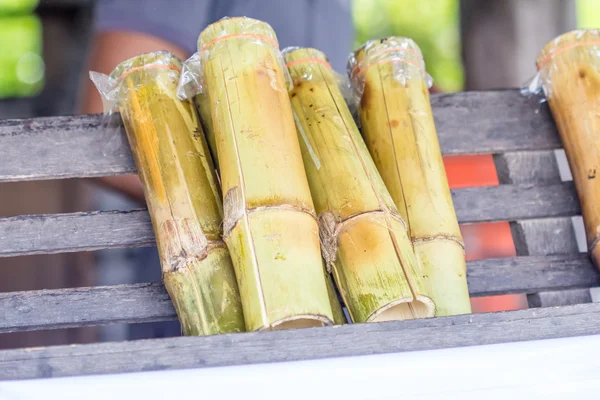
(192, 80)
(403, 53)
(579, 46)
(249, 32)
(342, 81)
(149, 65)
(189, 80)
(180, 188)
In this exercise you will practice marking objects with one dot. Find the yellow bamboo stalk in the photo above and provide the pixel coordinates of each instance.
(364, 239)
(203, 106)
(398, 128)
(569, 71)
(182, 194)
(270, 224)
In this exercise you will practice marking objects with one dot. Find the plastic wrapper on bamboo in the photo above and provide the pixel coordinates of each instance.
(270, 224)
(569, 73)
(181, 191)
(397, 124)
(363, 237)
(190, 88)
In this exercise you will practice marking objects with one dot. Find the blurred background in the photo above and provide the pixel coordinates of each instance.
(467, 45)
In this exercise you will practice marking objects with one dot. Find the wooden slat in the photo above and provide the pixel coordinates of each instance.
(551, 236)
(40, 234)
(515, 202)
(63, 308)
(544, 236)
(63, 147)
(304, 344)
(527, 167)
(56, 233)
(560, 298)
(495, 121)
(538, 169)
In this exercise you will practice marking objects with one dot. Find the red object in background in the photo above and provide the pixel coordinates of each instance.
(485, 240)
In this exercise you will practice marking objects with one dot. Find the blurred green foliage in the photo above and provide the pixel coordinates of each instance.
(10, 7)
(433, 24)
(21, 63)
(588, 14)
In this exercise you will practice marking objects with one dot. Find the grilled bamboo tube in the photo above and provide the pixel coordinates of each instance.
(270, 225)
(568, 68)
(398, 128)
(364, 239)
(182, 194)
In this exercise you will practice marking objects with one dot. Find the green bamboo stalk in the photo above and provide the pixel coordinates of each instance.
(270, 225)
(364, 238)
(398, 128)
(182, 194)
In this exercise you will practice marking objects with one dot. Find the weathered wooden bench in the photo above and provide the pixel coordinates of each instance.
(539, 206)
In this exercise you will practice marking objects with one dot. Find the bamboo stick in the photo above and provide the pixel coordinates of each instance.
(569, 72)
(364, 239)
(270, 224)
(398, 128)
(181, 192)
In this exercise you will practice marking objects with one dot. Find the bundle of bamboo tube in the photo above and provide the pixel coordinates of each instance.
(363, 237)
(397, 124)
(270, 225)
(569, 72)
(182, 193)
